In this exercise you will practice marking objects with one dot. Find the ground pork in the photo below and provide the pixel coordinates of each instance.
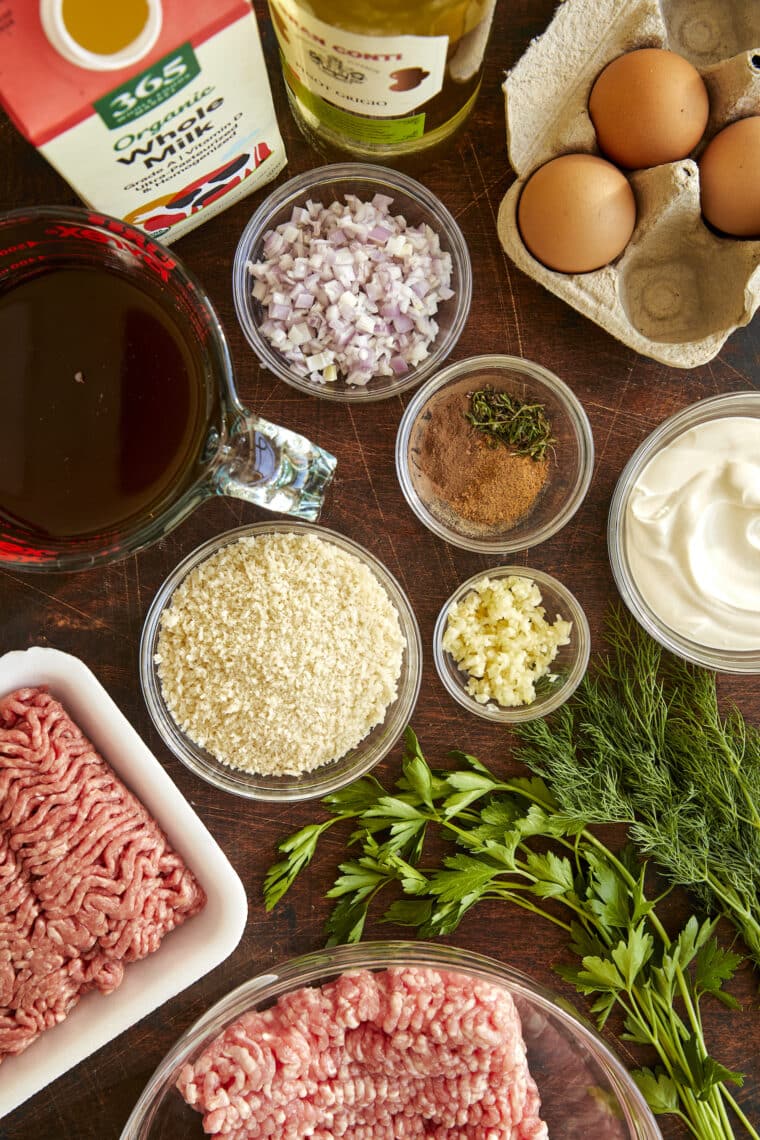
(88, 882)
(403, 1052)
(576, 1106)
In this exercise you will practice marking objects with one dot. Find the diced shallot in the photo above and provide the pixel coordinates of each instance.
(350, 291)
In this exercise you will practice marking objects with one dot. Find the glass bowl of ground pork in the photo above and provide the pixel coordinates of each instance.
(391, 1039)
(280, 661)
(511, 644)
(352, 282)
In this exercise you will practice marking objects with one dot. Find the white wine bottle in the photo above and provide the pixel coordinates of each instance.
(381, 80)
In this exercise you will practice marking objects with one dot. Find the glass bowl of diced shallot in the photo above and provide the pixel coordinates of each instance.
(391, 1039)
(352, 282)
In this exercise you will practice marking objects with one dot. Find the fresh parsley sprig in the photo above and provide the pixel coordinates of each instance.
(514, 843)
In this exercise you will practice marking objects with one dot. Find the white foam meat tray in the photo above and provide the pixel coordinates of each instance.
(188, 952)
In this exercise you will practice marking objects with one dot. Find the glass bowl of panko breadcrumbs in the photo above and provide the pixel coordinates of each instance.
(280, 661)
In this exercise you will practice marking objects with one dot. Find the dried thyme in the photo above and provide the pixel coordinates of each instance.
(504, 418)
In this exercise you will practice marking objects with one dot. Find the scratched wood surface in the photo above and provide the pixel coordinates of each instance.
(98, 615)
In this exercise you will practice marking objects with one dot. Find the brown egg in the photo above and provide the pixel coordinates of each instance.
(576, 213)
(729, 175)
(648, 106)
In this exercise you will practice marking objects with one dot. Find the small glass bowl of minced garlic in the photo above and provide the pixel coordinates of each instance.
(511, 644)
(494, 454)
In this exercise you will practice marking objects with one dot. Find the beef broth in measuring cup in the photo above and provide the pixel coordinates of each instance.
(104, 414)
(119, 410)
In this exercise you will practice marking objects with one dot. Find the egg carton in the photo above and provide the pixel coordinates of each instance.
(678, 290)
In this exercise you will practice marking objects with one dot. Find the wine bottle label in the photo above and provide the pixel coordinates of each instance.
(376, 76)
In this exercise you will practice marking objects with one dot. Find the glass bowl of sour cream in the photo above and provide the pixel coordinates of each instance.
(684, 533)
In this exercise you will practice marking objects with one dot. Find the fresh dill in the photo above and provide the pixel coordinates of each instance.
(523, 427)
(643, 742)
(515, 843)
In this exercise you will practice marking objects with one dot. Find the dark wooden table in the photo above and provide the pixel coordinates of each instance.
(97, 615)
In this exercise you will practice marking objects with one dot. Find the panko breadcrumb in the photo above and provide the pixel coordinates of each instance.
(279, 653)
(498, 634)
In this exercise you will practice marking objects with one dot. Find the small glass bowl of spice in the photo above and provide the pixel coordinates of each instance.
(494, 454)
(511, 644)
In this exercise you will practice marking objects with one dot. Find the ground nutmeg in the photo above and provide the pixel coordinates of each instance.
(473, 472)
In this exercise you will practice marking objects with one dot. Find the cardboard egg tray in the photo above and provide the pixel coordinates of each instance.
(678, 290)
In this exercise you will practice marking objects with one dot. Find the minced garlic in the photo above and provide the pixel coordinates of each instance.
(498, 634)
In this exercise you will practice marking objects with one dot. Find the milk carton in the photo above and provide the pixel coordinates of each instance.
(158, 112)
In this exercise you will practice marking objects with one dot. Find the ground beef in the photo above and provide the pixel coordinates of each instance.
(405, 1052)
(88, 881)
(38, 985)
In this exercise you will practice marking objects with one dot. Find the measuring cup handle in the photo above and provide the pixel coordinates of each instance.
(274, 468)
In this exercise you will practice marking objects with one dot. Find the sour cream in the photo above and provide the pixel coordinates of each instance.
(692, 534)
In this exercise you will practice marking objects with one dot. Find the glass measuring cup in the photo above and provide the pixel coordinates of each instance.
(120, 413)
